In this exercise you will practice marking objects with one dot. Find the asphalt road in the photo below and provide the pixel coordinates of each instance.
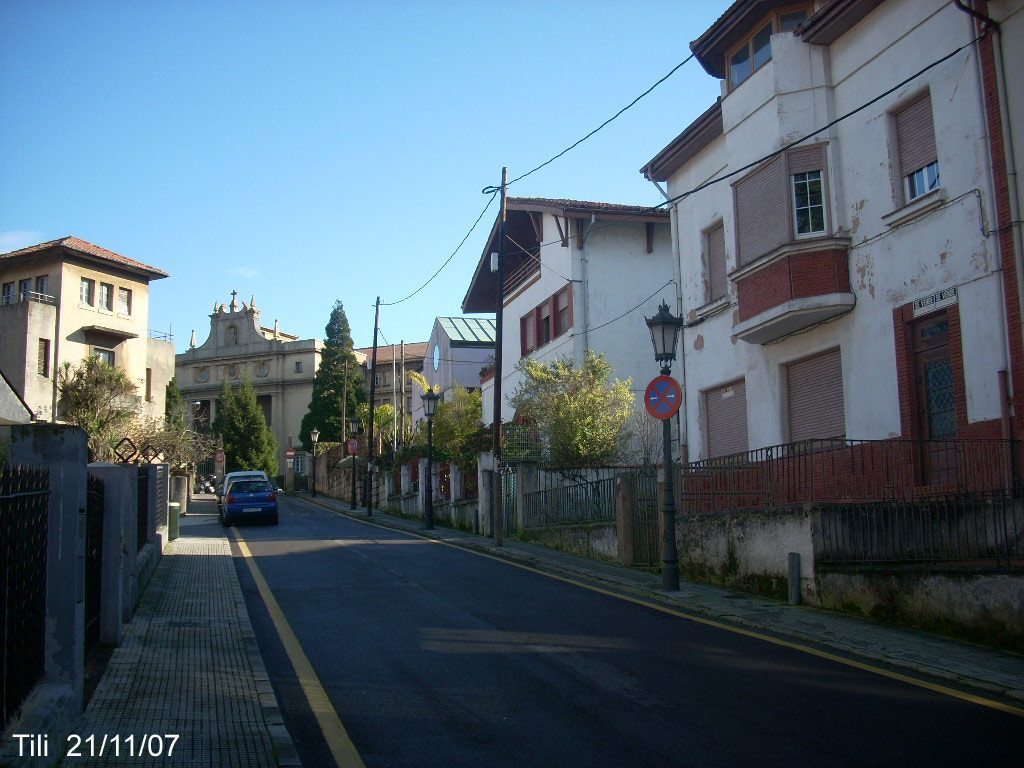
(434, 656)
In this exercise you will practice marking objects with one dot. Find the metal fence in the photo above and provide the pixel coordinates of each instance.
(571, 496)
(95, 502)
(24, 503)
(142, 507)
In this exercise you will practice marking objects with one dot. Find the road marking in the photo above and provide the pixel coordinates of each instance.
(936, 687)
(338, 741)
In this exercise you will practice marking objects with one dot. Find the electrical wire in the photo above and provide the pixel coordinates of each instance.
(575, 144)
(628, 311)
(446, 261)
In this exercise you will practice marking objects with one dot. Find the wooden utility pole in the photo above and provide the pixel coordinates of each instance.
(373, 393)
(499, 509)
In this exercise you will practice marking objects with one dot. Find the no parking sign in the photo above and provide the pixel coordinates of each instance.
(663, 397)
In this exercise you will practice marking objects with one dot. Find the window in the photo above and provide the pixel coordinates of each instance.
(105, 355)
(44, 358)
(124, 301)
(756, 50)
(107, 296)
(815, 398)
(916, 152)
(544, 325)
(42, 284)
(87, 291)
(784, 199)
(527, 334)
(563, 320)
(149, 385)
(380, 380)
(298, 366)
(24, 289)
(716, 282)
(8, 293)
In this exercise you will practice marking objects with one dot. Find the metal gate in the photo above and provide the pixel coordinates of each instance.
(646, 528)
(508, 494)
(93, 561)
(142, 508)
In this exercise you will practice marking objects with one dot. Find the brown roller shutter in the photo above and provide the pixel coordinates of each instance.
(762, 211)
(815, 389)
(915, 135)
(717, 282)
(727, 419)
(804, 159)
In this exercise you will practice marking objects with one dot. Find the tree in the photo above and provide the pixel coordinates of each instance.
(458, 428)
(581, 417)
(248, 441)
(101, 400)
(174, 403)
(326, 411)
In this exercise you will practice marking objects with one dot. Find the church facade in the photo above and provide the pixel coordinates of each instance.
(280, 365)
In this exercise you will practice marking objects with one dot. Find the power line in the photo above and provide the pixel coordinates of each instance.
(446, 261)
(575, 144)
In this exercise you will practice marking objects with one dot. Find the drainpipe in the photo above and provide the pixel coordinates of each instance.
(586, 286)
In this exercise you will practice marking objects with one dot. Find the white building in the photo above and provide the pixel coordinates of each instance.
(578, 276)
(841, 273)
(458, 349)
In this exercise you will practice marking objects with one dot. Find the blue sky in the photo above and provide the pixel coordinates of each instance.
(303, 152)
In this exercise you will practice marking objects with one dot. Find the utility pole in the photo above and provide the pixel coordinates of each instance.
(373, 393)
(499, 499)
(394, 405)
(344, 402)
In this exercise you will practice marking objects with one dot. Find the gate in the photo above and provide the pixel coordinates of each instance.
(93, 561)
(142, 508)
(508, 494)
(646, 528)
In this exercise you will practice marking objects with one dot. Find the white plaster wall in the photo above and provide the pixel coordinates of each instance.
(888, 266)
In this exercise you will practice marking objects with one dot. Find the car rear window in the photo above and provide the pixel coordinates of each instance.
(251, 486)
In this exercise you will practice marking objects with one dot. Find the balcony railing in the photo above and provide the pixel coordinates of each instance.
(161, 335)
(16, 298)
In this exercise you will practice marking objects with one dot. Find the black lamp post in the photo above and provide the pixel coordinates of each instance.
(353, 425)
(314, 436)
(664, 334)
(430, 399)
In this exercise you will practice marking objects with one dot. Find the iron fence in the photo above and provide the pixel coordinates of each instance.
(94, 506)
(24, 504)
(828, 471)
(571, 496)
(141, 508)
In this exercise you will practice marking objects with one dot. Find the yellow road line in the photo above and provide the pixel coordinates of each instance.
(338, 741)
(946, 690)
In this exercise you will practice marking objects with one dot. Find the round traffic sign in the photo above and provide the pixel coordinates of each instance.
(289, 453)
(219, 457)
(353, 446)
(663, 397)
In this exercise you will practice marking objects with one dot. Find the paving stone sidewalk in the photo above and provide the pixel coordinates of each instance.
(965, 666)
(188, 667)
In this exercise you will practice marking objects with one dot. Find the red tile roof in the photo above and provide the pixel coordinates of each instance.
(79, 246)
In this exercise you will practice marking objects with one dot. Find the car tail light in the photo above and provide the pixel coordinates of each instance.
(231, 498)
(272, 497)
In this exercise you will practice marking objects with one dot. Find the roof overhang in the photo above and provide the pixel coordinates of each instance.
(481, 296)
(834, 19)
(108, 331)
(686, 145)
(736, 23)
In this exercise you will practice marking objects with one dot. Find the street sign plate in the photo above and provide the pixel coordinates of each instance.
(353, 446)
(219, 457)
(290, 453)
(663, 397)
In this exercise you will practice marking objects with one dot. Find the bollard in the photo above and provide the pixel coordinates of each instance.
(173, 517)
(794, 578)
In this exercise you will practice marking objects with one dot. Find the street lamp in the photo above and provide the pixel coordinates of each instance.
(430, 399)
(664, 334)
(314, 436)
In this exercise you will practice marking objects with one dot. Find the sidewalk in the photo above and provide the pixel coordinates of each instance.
(960, 665)
(187, 685)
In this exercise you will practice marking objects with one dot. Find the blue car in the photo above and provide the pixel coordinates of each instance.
(249, 500)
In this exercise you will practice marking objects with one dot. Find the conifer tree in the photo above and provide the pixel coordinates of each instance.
(248, 441)
(326, 411)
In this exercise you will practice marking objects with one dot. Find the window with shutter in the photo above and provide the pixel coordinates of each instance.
(726, 409)
(915, 140)
(815, 396)
(717, 283)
